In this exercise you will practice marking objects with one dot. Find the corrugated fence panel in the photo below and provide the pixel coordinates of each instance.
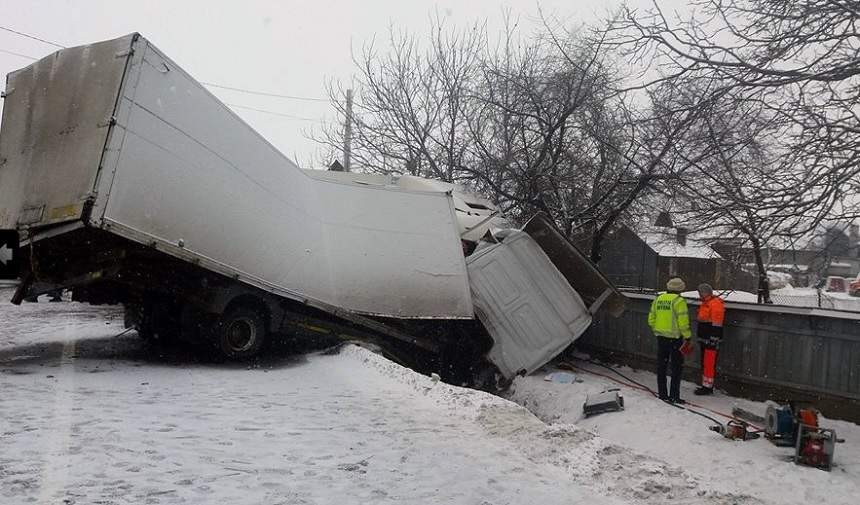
(807, 349)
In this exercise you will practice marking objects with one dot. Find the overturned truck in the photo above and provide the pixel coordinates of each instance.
(128, 182)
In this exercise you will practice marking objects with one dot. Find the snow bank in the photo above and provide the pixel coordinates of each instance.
(89, 418)
(454, 400)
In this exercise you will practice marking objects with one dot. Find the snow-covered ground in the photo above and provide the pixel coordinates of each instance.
(792, 297)
(88, 417)
(727, 295)
(809, 297)
(681, 441)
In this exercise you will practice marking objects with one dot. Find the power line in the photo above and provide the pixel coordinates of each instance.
(264, 111)
(288, 116)
(264, 93)
(241, 90)
(13, 53)
(211, 84)
(32, 37)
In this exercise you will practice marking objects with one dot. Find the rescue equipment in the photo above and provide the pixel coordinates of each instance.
(735, 430)
(782, 422)
(784, 425)
(815, 447)
(609, 400)
(780, 425)
(794, 426)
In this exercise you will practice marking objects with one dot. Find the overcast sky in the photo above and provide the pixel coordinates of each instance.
(282, 47)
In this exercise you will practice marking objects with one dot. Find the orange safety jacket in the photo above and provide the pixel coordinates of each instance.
(712, 310)
(711, 316)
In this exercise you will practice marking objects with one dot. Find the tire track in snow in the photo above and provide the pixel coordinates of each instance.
(55, 472)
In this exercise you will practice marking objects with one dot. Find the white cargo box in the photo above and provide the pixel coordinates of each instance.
(117, 136)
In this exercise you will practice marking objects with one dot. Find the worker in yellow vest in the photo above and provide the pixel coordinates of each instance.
(669, 319)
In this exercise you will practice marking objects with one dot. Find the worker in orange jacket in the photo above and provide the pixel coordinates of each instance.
(711, 316)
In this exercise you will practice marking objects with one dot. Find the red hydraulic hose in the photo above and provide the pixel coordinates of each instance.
(647, 390)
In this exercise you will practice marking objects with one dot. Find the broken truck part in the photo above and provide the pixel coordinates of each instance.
(128, 182)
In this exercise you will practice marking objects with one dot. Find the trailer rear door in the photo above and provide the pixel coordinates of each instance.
(56, 119)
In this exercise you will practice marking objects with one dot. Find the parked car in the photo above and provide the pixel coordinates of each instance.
(854, 287)
(836, 284)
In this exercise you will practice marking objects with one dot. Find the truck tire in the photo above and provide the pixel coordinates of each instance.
(240, 333)
(141, 320)
(486, 377)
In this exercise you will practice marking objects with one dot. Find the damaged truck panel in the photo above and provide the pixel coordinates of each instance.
(594, 287)
(475, 215)
(528, 307)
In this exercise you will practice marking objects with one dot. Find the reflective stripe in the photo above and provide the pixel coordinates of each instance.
(675, 311)
(675, 332)
(709, 367)
(675, 319)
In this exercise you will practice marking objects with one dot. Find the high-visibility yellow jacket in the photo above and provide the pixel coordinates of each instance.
(670, 317)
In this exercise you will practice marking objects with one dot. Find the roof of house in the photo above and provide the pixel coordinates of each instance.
(664, 242)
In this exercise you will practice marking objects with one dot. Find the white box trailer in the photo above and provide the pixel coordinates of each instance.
(129, 182)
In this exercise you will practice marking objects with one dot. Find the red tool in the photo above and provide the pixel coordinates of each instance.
(815, 446)
(735, 430)
(686, 348)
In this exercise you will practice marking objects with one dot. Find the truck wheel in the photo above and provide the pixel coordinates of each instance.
(487, 378)
(137, 317)
(240, 333)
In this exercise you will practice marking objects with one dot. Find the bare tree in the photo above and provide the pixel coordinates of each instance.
(526, 122)
(538, 107)
(799, 61)
(782, 79)
(538, 123)
(411, 106)
(729, 190)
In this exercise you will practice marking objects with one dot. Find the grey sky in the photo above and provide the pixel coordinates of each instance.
(283, 47)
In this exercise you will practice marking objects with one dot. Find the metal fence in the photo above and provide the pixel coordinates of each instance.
(782, 353)
(816, 298)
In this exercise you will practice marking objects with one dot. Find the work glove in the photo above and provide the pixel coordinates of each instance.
(687, 347)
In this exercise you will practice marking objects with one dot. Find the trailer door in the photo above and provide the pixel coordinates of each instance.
(527, 306)
(56, 118)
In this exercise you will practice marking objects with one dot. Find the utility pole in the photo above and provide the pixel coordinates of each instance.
(347, 132)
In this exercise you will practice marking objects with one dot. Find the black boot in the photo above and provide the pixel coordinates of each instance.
(703, 391)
